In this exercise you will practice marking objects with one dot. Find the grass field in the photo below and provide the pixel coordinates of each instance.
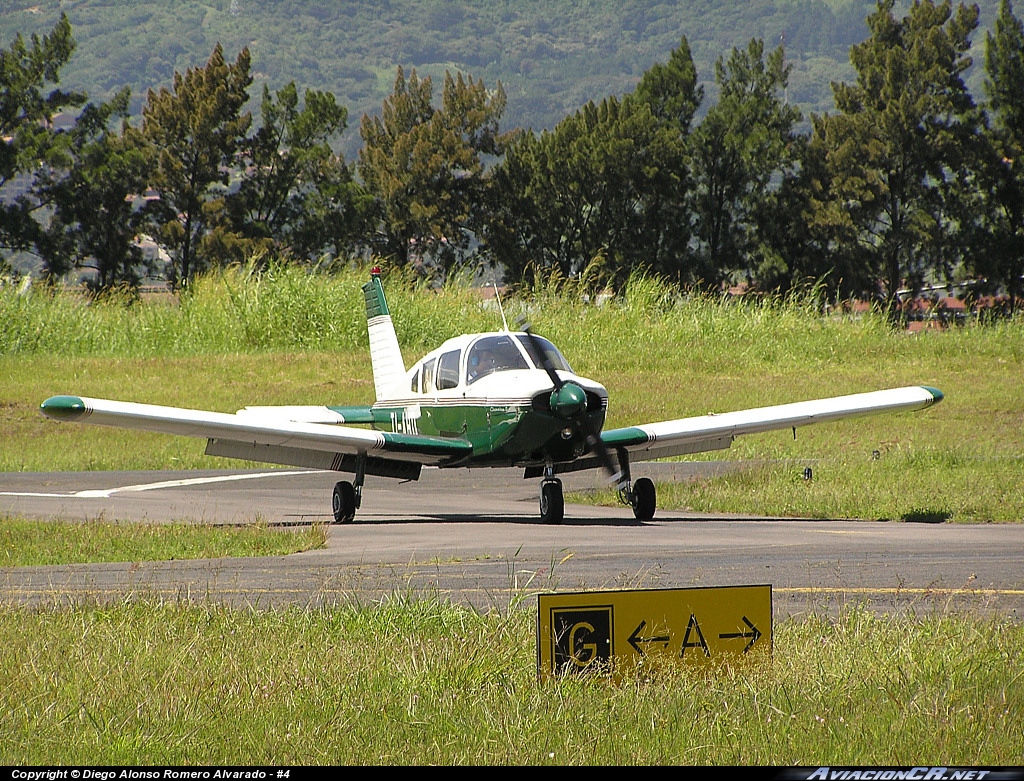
(422, 681)
(29, 543)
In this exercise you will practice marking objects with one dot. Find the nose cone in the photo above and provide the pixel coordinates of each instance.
(569, 400)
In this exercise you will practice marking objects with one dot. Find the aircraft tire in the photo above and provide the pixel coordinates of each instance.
(552, 503)
(644, 499)
(343, 502)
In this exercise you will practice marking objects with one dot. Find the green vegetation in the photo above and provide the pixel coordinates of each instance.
(553, 55)
(27, 67)
(423, 681)
(910, 184)
(292, 337)
(29, 543)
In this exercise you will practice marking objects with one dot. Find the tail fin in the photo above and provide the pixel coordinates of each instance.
(385, 354)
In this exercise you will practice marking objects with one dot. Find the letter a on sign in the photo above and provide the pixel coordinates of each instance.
(694, 627)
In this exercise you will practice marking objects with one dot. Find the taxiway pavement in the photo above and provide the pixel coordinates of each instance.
(473, 536)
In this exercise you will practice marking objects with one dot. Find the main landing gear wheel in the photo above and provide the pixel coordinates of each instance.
(552, 504)
(344, 502)
(644, 499)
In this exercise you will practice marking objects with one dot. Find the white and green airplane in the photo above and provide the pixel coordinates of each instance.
(501, 399)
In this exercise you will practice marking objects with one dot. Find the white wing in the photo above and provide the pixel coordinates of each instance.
(716, 432)
(267, 435)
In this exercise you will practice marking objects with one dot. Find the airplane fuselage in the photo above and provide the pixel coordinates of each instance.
(506, 412)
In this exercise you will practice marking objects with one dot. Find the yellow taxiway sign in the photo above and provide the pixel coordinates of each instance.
(612, 631)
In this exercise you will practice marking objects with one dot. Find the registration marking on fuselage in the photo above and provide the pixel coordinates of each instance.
(106, 493)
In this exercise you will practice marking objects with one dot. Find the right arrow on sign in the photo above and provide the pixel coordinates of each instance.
(753, 634)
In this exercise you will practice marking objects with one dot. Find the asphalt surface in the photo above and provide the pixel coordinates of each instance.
(473, 536)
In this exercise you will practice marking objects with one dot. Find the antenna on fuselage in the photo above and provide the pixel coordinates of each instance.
(501, 309)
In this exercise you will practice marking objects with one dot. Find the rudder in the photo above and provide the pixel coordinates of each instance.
(385, 354)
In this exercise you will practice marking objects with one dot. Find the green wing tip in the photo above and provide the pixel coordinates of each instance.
(937, 395)
(63, 407)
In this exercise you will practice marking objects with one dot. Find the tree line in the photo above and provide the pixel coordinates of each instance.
(909, 181)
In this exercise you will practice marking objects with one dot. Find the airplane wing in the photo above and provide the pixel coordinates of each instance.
(267, 434)
(717, 431)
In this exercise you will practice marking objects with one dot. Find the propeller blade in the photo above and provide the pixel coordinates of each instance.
(597, 446)
(538, 350)
(581, 419)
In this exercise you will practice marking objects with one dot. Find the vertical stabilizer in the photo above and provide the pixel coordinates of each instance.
(385, 354)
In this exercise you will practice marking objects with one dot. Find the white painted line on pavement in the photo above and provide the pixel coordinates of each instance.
(106, 493)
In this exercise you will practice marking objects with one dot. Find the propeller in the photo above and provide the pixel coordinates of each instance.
(568, 400)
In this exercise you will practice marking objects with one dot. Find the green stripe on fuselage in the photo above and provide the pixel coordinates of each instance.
(485, 427)
(435, 446)
(500, 435)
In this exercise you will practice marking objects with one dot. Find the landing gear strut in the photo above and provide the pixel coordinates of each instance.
(640, 495)
(348, 496)
(552, 503)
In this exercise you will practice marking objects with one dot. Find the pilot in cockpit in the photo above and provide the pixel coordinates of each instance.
(493, 354)
(483, 363)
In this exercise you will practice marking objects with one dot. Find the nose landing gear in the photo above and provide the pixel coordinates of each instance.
(552, 503)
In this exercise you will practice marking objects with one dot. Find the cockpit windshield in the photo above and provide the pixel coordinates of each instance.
(556, 358)
(493, 354)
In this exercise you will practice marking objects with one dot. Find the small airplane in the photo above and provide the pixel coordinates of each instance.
(500, 399)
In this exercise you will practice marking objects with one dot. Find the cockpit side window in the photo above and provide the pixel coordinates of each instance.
(493, 354)
(448, 370)
(428, 376)
(556, 358)
(414, 386)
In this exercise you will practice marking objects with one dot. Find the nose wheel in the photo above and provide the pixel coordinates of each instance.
(552, 503)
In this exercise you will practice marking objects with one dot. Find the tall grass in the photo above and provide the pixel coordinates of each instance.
(235, 310)
(283, 307)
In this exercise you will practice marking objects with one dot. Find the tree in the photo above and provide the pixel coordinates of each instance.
(575, 194)
(609, 183)
(745, 139)
(897, 155)
(297, 196)
(195, 131)
(672, 94)
(999, 255)
(26, 111)
(424, 166)
(95, 194)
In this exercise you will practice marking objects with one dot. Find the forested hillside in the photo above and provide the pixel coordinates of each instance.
(647, 163)
(552, 56)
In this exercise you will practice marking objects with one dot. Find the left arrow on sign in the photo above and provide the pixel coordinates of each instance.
(635, 639)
